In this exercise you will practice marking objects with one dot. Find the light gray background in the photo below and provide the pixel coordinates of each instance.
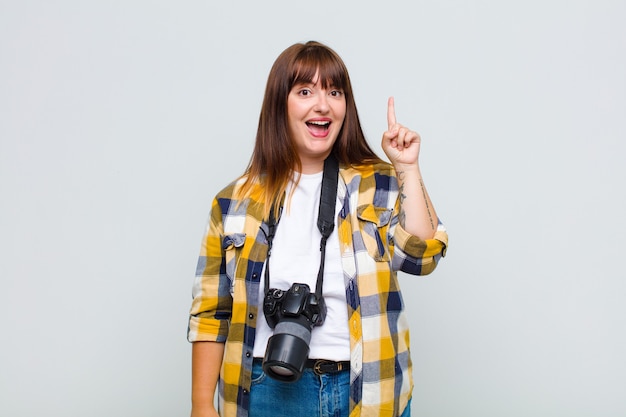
(119, 120)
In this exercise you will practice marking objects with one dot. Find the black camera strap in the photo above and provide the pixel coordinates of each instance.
(325, 220)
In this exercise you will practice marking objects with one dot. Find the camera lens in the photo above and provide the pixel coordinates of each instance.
(288, 349)
(281, 371)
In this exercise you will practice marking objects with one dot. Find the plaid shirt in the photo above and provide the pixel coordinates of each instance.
(373, 247)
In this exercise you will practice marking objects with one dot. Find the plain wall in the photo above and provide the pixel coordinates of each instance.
(119, 121)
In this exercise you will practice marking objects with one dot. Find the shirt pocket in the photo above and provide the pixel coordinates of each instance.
(232, 245)
(374, 223)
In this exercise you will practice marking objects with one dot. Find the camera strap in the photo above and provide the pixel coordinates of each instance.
(325, 219)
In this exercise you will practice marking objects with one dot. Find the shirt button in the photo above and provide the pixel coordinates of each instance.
(251, 316)
(247, 354)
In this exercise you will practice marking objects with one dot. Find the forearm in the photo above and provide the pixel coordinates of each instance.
(417, 215)
(206, 361)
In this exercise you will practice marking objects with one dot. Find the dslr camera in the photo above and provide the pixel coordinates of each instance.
(292, 314)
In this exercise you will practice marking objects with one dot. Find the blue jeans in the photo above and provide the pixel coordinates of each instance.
(326, 395)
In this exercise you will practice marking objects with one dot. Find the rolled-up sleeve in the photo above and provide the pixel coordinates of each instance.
(417, 256)
(211, 307)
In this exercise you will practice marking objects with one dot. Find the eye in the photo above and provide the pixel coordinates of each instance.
(336, 93)
(304, 92)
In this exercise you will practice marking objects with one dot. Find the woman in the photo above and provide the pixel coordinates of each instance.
(384, 221)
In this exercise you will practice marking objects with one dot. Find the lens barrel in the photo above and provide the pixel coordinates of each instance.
(288, 349)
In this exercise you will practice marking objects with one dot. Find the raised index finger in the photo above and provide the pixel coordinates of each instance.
(391, 113)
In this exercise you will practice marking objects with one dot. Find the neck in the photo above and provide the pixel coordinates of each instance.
(308, 169)
(312, 165)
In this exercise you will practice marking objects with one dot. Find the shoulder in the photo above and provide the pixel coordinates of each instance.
(232, 202)
(372, 184)
(234, 189)
(376, 172)
(230, 191)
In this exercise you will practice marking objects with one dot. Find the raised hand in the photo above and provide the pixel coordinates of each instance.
(401, 145)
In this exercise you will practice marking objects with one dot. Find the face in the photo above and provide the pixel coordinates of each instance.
(315, 116)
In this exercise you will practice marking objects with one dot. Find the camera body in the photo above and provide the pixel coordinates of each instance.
(292, 314)
(295, 302)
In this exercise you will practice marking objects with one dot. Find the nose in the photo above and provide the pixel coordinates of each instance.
(321, 105)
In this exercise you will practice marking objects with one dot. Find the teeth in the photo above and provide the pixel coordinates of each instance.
(319, 123)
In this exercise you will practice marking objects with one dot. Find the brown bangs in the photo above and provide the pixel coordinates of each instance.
(313, 59)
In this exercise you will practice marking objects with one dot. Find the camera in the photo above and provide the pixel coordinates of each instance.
(292, 314)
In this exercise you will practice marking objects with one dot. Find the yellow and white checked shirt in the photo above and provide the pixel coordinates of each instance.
(373, 247)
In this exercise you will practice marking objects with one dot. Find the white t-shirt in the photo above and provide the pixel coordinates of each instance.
(296, 258)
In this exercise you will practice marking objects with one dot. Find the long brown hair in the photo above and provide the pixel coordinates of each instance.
(275, 159)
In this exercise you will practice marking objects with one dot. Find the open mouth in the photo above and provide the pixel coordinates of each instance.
(318, 127)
